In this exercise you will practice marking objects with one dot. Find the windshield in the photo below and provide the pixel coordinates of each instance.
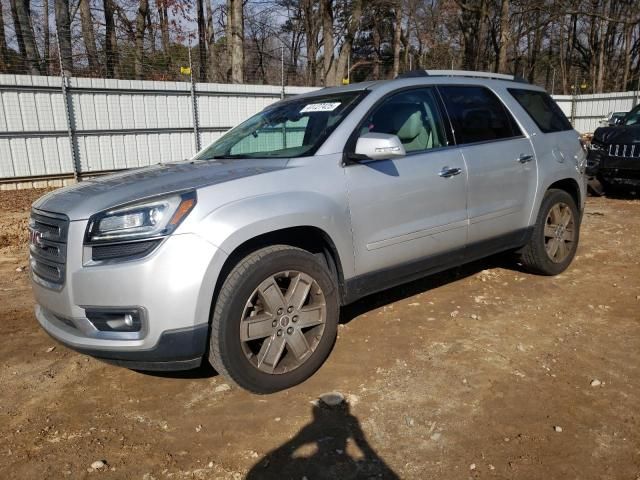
(290, 129)
(633, 117)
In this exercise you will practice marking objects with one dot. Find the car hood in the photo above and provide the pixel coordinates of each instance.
(81, 200)
(617, 135)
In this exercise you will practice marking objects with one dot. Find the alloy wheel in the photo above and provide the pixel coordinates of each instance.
(283, 321)
(559, 232)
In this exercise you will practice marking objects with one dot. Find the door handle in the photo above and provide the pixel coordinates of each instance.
(524, 158)
(447, 172)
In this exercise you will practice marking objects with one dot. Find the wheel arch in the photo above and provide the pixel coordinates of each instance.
(307, 237)
(569, 185)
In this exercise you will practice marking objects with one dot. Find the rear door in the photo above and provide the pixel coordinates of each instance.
(413, 207)
(501, 163)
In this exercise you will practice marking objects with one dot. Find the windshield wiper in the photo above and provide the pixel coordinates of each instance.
(224, 157)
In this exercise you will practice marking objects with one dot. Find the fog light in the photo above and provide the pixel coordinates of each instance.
(115, 320)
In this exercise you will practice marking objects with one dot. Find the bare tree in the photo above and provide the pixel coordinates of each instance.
(163, 15)
(211, 44)
(63, 32)
(503, 41)
(4, 58)
(397, 37)
(22, 21)
(47, 37)
(110, 42)
(311, 25)
(202, 42)
(141, 23)
(237, 40)
(86, 21)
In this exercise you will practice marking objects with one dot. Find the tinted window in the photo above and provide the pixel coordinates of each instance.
(413, 116)
(477, 115)
(542, 109)
(633, 117)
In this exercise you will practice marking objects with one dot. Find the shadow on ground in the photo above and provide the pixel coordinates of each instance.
(331, 446)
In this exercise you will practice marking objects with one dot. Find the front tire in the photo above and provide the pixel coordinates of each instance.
(555, 236)
(275, 319)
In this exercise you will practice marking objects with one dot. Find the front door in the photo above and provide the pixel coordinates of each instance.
(412, 208)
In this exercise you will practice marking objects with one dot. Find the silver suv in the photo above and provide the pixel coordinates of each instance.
(245, 253)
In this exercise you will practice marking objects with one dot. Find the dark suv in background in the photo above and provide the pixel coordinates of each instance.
(614, 157)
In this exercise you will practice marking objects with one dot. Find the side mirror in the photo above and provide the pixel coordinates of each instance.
(379, 146)
(618, 120)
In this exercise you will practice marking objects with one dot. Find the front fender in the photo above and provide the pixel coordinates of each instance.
(234, 223)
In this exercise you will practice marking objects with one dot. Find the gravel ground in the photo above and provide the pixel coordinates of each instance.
(481, 372)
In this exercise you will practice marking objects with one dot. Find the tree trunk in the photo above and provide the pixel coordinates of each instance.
(397, 37)
(47, 38)
(88, 35)
(163, 15)
(211, 44)
(141, 22)
(110, 42)
(504, 36)
(202, 43)
(537, 41)
(601, 47)
(327, 41)
(63, 30)
(4, 60)
(32, 56)
(311, 33)
(237, 41)
(627, 57)
(469, 22)
(480, 60)
(17, 29)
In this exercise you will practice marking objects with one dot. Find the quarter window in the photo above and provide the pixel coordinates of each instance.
(542, 109)
(412, 115)
(477, 114)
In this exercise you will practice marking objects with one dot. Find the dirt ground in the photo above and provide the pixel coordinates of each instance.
(482, 372)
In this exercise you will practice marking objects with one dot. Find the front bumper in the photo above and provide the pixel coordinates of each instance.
(179, 349)
(614, 169)
(172, 287)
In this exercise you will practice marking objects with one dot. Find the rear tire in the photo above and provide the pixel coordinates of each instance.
(555, 236)
(275, 319)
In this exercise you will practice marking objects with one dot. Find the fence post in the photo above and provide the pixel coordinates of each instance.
(635, 96)
(68, 114)
(282, 71)
(194, 105)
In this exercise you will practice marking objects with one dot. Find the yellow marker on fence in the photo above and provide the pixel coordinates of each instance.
(185, 70)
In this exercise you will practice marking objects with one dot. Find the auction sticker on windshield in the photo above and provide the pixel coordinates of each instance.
(320, 107)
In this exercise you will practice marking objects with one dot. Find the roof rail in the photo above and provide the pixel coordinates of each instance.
(461, 73)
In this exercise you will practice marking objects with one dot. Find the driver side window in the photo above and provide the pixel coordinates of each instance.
(413, 116)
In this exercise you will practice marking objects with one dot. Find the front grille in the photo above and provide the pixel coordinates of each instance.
(624, 150)
(48, 246)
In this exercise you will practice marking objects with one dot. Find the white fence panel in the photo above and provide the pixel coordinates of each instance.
(116, 124)
(590, 109)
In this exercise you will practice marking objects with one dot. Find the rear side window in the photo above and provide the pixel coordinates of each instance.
(542, 109)
(477, 114)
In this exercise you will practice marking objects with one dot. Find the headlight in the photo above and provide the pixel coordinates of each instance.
(151, 218)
